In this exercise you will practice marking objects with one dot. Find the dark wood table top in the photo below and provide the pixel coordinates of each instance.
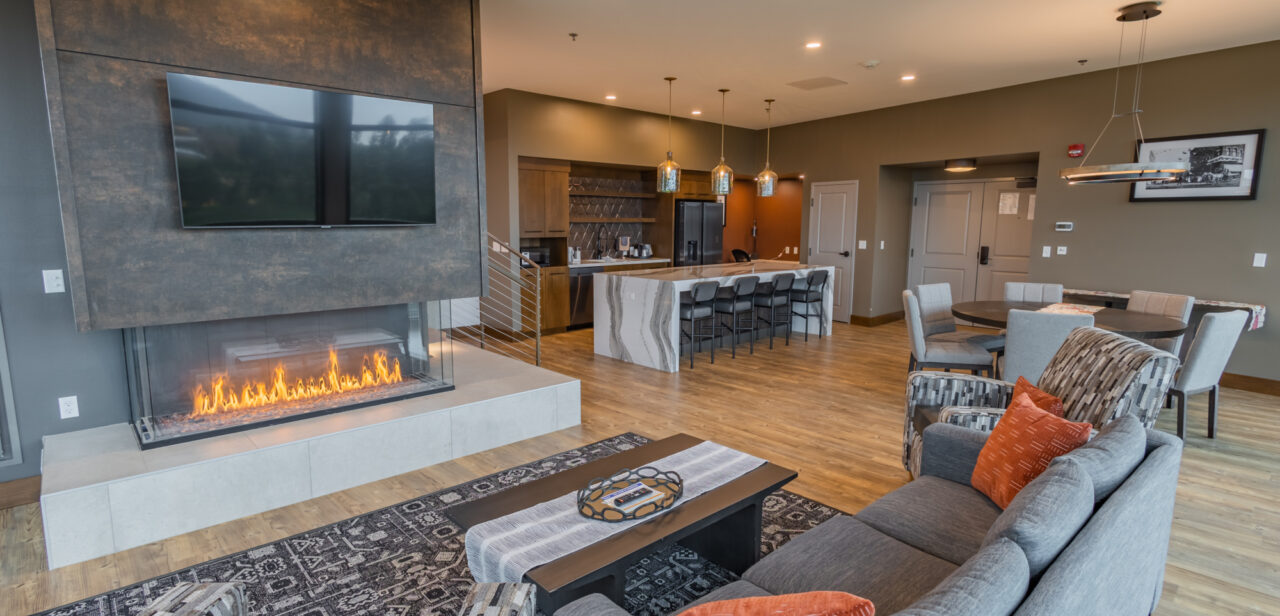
(556, 574)
(995, 313)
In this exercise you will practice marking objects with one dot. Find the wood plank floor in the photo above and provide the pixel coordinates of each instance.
(829, 408)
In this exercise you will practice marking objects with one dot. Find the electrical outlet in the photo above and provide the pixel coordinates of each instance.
(795, 250)
(1062, 250)
(68, 407)
(862, 244)
(1259, 259)
(1047, 252)
(53, 282)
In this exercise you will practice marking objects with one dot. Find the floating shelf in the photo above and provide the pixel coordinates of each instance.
(609, 193)
(590, 219)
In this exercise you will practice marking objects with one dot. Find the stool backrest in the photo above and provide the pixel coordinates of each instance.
(745, 285)
(816, 279)
(704, 291)
(782, 282)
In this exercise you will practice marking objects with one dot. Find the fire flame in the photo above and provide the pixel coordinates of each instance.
(222, 397)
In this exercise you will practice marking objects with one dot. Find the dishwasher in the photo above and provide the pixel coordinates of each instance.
(581, 298)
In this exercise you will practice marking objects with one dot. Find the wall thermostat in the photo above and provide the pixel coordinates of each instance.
(1064, 226)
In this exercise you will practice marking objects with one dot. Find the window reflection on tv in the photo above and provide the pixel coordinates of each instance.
(257, 155)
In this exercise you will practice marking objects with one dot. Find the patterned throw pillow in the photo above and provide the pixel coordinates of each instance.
(1046, 401)
(1020, 447)
(820, 603)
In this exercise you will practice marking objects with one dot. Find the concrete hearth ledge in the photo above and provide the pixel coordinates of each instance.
(101, 493)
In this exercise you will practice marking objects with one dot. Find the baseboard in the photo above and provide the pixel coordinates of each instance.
(1255, 384)
(20, 492)
(876, 320)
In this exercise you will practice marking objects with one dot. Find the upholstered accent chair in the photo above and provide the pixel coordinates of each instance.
(1032, 340)
(1206, 359)
(940, 324)
(1099, 375)
(946, 354)
(1032, 292)
(1166, 305)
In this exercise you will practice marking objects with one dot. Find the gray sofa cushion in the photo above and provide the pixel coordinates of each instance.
(845, 554)
(992, 583)
(591, 605)
(1046, 514)
(734, 590)
(949, 451)
(1112, 455)
(941, 517)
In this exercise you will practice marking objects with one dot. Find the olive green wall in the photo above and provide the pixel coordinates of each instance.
(1203, 248)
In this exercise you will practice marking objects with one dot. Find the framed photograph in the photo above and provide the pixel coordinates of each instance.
(1223, 166)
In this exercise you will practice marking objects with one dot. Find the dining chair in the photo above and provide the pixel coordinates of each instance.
(945, 354)
(740, 255)
(940, 325)
(1033, 292)
(1033, 338)
(1206, 360)
(1165, 305)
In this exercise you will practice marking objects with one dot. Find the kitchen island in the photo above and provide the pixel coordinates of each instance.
(637, 312)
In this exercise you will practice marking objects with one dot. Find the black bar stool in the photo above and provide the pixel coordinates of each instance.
(774, 300)
(814, 285)
(699, 307)
(735, 304)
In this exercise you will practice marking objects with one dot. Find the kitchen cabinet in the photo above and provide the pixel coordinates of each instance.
(555, 298)
(543, 194)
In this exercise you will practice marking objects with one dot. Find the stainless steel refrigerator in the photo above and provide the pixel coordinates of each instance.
(699, 232)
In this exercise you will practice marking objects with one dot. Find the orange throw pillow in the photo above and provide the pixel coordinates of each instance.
(820, 603)
(1046, 401)
(1023, 443)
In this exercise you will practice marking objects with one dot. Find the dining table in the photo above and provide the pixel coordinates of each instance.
(1139, 325)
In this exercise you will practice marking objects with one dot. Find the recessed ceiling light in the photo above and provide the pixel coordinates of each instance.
(813, 45)
(610, 97)
(908, 77)
(697, 112)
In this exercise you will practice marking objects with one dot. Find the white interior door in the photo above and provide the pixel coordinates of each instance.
(946, 225)
(1007, 212)
(833, 232)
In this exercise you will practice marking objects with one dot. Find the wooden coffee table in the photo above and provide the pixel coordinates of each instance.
(723, 525)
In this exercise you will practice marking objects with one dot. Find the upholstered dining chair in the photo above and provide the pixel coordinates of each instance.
(945, 354)
(1032, 340)
(1166, 305)
(940, 324)
(1099, 375)
(1032, 292)
(1206, 359)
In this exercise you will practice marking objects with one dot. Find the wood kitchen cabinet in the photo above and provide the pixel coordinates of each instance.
(555, 298)
(544, 198)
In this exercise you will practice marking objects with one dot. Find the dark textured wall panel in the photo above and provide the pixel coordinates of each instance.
(417, 49)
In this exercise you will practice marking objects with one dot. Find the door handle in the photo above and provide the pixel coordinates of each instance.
(984, 255)
(845, 253)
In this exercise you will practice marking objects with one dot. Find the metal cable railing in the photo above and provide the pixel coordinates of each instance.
(508, 320)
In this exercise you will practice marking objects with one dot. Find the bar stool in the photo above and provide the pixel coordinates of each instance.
(814, 285)
(773, 297)
(701, 306)
(736, 303)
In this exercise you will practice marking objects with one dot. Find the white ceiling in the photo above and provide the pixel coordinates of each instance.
(756, 47)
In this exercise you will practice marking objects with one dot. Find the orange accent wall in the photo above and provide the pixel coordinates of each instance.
(740, 209)
(777, 219)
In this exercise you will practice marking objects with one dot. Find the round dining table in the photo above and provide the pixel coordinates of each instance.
(995, 313)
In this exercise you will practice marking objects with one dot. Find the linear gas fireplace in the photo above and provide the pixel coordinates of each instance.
(196, 380)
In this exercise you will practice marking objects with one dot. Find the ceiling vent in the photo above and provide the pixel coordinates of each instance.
(817, 83)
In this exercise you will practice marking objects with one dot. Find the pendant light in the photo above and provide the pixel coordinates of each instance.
(1141, 171)
(668, 170)
(721, 174)
(767, 180)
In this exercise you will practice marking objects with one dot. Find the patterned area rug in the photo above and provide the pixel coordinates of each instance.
(409, 559)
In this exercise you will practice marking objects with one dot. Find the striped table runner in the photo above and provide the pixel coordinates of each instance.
(505, 548)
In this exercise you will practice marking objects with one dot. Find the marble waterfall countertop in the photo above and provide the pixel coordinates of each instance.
(636, 311)
(655, 261)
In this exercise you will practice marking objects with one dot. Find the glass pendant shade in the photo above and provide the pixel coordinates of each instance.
(668, 175)
(721, 179)
(766, 181)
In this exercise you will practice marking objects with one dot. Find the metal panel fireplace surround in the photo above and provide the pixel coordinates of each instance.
(196, 380)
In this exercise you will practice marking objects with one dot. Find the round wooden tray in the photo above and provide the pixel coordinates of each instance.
(591, 498)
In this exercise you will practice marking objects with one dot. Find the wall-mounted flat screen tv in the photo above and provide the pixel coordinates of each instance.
(258, 155)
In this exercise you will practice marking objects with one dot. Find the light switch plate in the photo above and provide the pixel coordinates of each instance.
(881, 244)
(1047, 252)
(1259, 259)
(53, 282)
(68, 407)
(1062, 250)
(862, 244)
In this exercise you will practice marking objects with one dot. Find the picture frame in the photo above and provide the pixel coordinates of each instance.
(1224, 166)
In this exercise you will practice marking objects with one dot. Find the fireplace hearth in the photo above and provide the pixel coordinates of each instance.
(196, 380)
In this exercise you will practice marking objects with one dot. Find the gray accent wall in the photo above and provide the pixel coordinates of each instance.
(129, 261)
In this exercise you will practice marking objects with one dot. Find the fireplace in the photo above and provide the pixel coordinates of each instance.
(196, 380)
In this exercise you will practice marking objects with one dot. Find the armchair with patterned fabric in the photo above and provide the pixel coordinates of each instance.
(1099, 375)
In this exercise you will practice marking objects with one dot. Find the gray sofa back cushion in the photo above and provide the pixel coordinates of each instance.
(1046, 514)
(1115, 565)
(991, 583)
(1112, 455)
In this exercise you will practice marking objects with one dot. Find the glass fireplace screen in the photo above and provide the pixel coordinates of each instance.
(199, 379)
